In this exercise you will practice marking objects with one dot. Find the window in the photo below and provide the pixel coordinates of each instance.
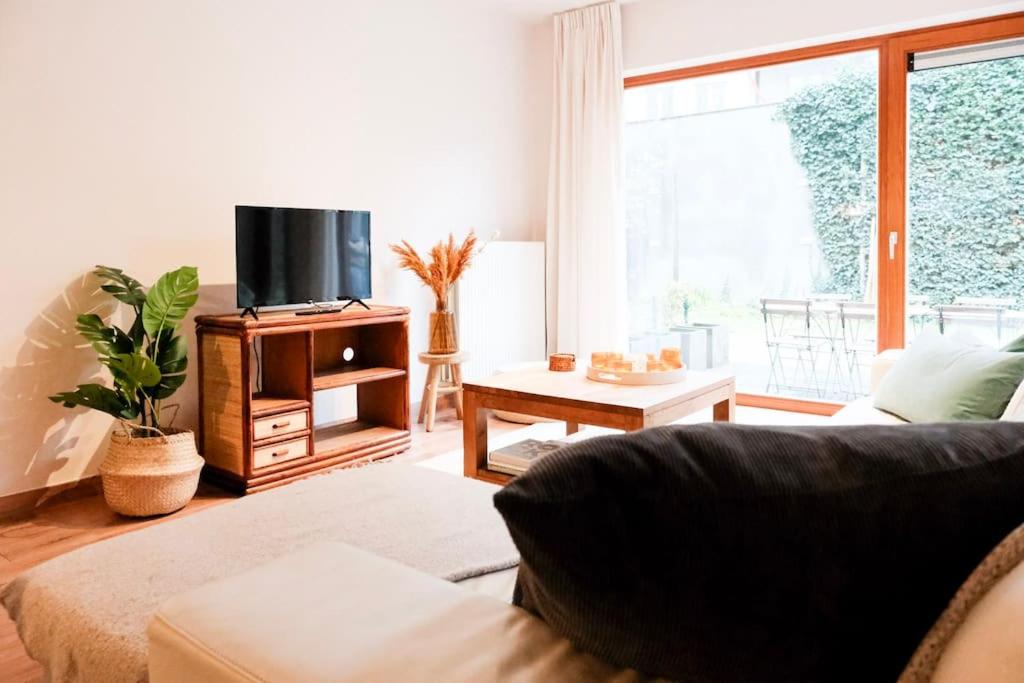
(751, 217)
(790, 214)
(965, 221)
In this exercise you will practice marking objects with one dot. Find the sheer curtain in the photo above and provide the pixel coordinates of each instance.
(586, 262)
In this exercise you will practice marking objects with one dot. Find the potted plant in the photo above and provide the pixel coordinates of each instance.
(150, 468)
(448, 262)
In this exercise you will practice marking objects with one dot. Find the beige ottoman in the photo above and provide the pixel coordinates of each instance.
(332, 612)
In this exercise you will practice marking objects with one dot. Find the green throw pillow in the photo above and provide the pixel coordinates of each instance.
(939, 379)
(1016, 346)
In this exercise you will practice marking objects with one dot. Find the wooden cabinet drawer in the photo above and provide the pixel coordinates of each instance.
(279, 425)
(265, 456)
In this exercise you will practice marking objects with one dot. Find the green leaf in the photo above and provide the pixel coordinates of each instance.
(122, 287)
(170, 353)
(132, 372)
(98, 397)
(106, 340)
(137, 332)
(169, 299)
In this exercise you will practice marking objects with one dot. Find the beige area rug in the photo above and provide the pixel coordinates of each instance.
(83, 615)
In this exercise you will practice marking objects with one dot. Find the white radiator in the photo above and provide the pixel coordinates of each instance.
(499, 306)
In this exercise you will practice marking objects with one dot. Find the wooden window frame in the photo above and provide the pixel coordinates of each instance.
(893, 52)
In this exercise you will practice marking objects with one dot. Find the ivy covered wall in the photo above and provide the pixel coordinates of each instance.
(966, 183)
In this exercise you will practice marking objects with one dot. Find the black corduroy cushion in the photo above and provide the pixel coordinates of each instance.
(735, 553)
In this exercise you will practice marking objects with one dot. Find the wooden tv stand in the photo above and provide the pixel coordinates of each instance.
(256, 439)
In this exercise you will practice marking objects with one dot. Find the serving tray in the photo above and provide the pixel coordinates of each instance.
(636, 378)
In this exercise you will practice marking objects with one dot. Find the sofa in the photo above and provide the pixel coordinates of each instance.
(298, 618)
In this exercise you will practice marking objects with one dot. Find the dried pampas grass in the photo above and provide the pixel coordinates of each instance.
(448, 261)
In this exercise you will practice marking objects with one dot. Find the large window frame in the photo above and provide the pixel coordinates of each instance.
(894, 51)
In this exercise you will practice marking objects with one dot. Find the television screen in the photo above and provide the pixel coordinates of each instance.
(293, 256)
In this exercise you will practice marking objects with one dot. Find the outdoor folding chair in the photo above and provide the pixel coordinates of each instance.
(793, 347)
(860, 343)
(985, 317)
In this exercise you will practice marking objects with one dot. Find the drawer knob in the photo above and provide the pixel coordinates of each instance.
(278, 454)
(282, 425)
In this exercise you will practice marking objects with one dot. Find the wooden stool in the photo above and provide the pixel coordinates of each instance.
(434, 386)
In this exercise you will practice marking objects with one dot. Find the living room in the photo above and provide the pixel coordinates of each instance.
(756, 234)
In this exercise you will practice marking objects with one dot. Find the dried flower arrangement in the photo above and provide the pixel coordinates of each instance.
(448, 261)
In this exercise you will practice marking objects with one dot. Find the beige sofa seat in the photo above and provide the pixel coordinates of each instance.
(863, 412)
(332, 612)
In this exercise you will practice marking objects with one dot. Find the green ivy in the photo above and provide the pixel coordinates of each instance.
(966, 182)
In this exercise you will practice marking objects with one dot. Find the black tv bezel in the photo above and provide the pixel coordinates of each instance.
(369, 260)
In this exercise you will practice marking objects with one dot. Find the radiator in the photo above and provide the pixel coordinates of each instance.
(499, 305)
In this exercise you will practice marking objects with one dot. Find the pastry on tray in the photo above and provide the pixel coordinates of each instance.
(670, 358)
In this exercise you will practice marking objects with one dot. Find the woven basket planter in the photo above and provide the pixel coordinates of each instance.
(145, 476)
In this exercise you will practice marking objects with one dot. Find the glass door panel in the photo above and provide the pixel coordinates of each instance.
(751, 223)
(965, 201)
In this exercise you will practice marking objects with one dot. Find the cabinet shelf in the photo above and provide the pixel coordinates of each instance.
(494, 477)
(263, 404)
(347, 375)
(360, 438)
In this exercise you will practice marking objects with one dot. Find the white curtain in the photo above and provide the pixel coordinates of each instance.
(586, 254)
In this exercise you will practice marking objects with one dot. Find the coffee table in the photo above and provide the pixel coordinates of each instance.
(571, 397)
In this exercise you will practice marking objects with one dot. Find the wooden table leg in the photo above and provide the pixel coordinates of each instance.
(725, 411)
(457, 381)
(638, 423)
(571, 428)
(426, 393)
(435, 382)
(474, 435)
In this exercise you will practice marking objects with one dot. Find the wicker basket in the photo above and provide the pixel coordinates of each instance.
(144, 476)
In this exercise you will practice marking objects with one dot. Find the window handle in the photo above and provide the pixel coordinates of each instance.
(894, 238)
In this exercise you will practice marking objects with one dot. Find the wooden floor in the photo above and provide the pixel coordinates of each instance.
(78, 517)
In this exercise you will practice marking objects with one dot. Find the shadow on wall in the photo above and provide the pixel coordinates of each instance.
(44, 444)
(40, 439)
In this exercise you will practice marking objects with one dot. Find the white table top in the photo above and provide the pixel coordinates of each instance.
(575, 387)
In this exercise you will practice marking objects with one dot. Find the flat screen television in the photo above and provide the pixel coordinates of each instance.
(294, 256)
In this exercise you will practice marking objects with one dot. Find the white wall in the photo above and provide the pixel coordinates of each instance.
(660, 33)
(129, 130)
